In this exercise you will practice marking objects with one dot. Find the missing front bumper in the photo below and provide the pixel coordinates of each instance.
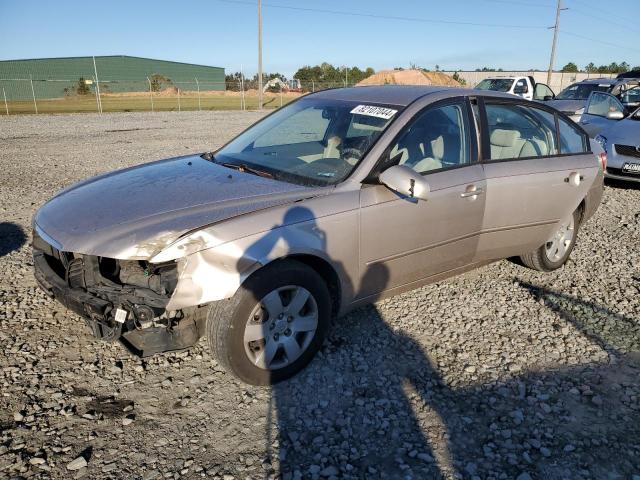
(180, 333)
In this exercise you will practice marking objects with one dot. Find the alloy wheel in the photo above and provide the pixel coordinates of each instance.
(558, 245)
(281, 327)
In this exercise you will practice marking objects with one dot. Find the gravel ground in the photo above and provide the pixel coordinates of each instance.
(502, 373)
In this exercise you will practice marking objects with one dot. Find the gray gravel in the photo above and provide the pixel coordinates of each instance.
(502, 373)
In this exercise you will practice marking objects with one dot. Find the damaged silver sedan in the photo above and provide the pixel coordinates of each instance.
(341, 198)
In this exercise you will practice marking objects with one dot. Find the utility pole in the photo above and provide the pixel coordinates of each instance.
(260, 54)
(95, 71)
(555, 40)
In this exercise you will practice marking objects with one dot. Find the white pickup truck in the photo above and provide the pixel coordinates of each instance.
(525, 87)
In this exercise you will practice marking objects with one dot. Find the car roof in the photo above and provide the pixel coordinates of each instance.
(400, 95)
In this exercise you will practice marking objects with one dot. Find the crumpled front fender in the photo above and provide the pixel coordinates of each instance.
(217, 273)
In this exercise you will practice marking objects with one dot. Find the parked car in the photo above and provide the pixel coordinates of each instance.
(338, 199)
(629, 74)
(571, 101)
(617, 133)
(525, 87)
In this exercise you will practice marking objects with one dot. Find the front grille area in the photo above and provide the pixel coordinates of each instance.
(627, 150)
(118, 282)
(619, 172)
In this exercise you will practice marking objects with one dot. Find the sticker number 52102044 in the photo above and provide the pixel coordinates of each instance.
(373, 111)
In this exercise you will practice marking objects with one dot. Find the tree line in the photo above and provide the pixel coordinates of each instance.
(325, 74)
(613, 67)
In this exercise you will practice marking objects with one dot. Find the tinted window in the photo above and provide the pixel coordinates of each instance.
(581, 91)
(601, 104)
(495, 84)
(436, 139)
(519, 131)
(571, 139)
(522, 86)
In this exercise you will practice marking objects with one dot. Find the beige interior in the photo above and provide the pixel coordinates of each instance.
(509, 144)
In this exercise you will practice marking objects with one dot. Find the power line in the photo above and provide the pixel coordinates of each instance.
(600, 19)
(617, 45)
(386, 17)
(521, 4)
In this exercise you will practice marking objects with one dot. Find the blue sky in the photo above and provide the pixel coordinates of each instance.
(224, 32)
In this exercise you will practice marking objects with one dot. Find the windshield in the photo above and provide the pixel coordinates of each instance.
(581, 91)
(495, 84)
(310, 142)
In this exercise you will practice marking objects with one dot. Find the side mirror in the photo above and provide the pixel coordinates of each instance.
(615, 115)
(405, 181)
(548, 98)
(519, 90)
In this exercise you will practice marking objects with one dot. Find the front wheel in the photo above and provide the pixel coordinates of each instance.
(556, 251)
(274, 324)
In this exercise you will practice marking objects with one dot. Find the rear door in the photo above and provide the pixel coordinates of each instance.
(529, 166)
(595, 116)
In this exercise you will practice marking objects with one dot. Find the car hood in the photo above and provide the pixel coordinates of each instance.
(567, 106)
(136, 212)
(625, 132)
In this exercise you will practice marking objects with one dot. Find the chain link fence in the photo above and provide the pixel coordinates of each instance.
(36, 95)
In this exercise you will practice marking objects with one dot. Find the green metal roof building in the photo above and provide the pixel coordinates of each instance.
(57, 77)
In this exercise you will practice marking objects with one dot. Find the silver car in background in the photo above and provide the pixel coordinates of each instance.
(572, 100)
(605, 119)
(339, 199)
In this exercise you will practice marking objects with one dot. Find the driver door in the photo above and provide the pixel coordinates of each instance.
(596, 114)
(404, 240)
(543, 93)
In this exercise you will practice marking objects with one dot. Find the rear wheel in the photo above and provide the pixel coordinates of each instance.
(556, 251)
(274, 324)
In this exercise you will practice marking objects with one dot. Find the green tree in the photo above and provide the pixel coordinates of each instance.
(156, 80)
(570, 68)
(82, 88)
(326, 74)
(458, 78)
(591, 68)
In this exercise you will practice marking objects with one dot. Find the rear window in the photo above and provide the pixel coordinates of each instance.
(572, 140)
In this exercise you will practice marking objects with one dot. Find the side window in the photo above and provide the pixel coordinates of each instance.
(520, 131)
(541, 92)
(601, 104)
(436, 139)
(571, 139)
(521, 86)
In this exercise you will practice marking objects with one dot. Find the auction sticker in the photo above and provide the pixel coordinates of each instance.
(373, 111)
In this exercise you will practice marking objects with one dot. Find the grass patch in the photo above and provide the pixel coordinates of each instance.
(78, 104)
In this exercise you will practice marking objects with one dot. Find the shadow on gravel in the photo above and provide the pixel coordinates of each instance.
(386, 412)
(375, 405)
(12, 237)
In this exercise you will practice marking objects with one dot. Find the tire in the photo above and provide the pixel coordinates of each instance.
(244, 331)
(551, 256)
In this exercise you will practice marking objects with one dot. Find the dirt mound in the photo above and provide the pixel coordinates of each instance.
(409, 77)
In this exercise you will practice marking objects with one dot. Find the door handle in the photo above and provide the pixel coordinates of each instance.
(574, 179)
(472, 193)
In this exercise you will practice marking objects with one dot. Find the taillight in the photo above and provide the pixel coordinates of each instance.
(603, 160)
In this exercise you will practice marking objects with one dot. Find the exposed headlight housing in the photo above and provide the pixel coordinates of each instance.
(602, 141)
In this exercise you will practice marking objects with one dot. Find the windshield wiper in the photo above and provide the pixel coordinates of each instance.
(246, 169)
